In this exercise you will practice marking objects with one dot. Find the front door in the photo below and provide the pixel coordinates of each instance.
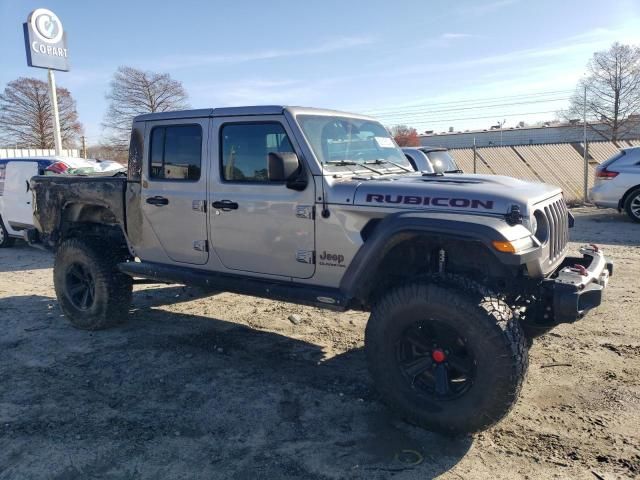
(257, 225)
(174, 189)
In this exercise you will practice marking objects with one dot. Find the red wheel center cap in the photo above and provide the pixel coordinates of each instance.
(438, 356)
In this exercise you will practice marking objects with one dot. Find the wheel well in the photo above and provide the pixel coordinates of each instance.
(623, 200)
(95, 221)
(87, 213)
(422, 255)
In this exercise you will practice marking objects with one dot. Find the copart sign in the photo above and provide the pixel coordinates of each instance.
(46, 41)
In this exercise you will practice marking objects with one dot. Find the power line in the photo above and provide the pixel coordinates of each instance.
(481, 118)
(495, 105)
(466, 101)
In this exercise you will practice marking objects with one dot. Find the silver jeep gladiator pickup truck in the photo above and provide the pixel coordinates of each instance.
(322, 208)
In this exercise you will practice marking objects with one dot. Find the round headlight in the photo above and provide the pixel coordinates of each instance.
(540, 226)
(533, 224)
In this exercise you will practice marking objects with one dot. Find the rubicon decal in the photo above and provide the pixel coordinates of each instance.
(432, 201)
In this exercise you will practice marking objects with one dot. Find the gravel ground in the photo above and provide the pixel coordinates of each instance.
(227, 386)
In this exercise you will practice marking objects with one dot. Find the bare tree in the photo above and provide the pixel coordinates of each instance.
(26, 115)
(405, 136)
(134, 92)
(613, 91)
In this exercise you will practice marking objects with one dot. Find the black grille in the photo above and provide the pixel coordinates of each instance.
(558, 218)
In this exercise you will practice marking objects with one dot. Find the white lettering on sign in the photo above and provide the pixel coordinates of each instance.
(48, 50)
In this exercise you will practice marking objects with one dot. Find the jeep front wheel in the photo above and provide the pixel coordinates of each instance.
(93, 294)
(448, 358)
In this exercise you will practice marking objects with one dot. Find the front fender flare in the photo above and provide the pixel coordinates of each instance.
(398, 227)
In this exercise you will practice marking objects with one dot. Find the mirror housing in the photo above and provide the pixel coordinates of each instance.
(286, 167)
(438, 167)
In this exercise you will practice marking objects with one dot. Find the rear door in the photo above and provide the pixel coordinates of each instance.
(174, 188)
(18, 211)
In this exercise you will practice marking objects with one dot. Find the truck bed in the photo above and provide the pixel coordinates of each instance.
(73, 198)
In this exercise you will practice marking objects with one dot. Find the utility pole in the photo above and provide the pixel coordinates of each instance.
(57, 140)
(84, 148)
(585, 150)
(475, 169)
(501, 128)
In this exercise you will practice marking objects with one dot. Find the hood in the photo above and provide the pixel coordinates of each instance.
(487, 194)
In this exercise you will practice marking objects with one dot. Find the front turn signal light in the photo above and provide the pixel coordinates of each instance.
(514, 246)
(505, 247)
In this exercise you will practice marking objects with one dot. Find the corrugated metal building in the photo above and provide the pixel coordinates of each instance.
(521, 136)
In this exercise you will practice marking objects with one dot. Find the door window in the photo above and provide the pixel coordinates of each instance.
(245, 149)
(176, 152)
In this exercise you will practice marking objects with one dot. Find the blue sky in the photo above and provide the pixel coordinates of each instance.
(373, 56)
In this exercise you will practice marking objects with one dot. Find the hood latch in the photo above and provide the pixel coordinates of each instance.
(514, 217)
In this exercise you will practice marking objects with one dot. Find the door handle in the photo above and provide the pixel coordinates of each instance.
(158, 201)
(225, 205)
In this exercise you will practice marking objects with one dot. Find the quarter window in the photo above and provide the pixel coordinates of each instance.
(176, 152)
(246, 148)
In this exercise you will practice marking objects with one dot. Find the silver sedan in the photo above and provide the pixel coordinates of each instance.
(617, 183)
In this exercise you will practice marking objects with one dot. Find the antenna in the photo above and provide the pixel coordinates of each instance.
(325, 210)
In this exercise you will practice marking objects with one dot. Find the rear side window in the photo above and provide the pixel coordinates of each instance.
(176, 152)
(246, 147)
(613, 159)
(135, 153)
(3, 170)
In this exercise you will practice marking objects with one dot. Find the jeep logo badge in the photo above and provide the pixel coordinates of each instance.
(331, 259)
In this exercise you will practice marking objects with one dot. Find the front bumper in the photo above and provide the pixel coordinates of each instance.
(577, 285)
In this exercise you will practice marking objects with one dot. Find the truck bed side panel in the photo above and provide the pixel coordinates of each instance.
(52, 195)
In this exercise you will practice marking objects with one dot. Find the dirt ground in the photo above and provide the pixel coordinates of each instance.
(226, 386)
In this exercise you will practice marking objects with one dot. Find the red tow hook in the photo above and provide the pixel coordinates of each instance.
(581, 269)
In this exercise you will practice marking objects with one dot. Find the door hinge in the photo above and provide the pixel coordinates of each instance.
(201, 245)
(199, 205)
(305, 211)
(306, 256)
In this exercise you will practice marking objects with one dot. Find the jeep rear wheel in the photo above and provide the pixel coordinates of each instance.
(449, 358)
(5, 239)
(93, 294)
(632, 205)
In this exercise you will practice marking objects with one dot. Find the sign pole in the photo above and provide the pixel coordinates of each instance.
(585, 152)
(57, 140)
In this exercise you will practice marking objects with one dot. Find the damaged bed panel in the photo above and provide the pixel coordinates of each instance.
(60, 201)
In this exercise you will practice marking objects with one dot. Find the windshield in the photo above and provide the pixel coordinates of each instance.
(344, 141)
(442, 161)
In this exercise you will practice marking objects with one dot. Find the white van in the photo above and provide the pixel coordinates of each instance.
(16, 212)
(15, 197)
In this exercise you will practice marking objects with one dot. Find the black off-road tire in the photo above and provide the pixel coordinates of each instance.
(491, 333)
(632, 205)
(5, 240)
(112, 290)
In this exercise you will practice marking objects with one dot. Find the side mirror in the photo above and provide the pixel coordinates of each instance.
(438, 167)
(286, 167)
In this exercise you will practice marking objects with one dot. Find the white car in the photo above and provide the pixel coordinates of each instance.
(16, 212)
(617, 183)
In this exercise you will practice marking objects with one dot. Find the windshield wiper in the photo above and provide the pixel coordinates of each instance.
(380, 161)
(345, 163)
(341, 163)
(454, 171)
